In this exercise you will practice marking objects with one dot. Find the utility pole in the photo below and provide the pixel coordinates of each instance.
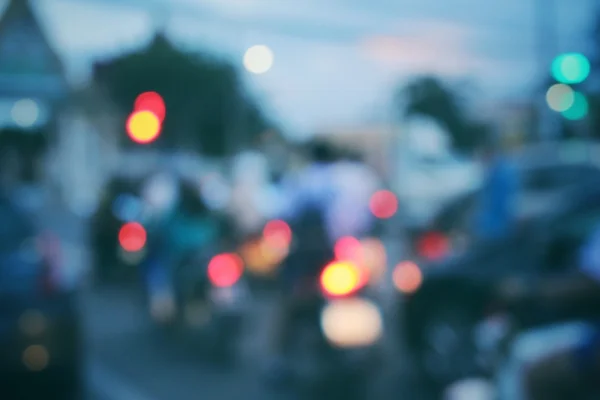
(546, 37)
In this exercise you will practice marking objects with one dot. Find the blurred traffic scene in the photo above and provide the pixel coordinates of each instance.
(336, 200)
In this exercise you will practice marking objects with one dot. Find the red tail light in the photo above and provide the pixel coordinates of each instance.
(278, 234)
(132, 237)
(341, 279)
(348, 248)
(433, 246)
(224, 270)
(49, 248)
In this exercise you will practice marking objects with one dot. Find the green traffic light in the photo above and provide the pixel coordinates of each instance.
(579, 108)
(571, 68)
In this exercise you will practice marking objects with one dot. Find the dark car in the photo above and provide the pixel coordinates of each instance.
(542, 184)
(40, 336)
(438, 320)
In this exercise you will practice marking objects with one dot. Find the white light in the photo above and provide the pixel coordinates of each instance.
(560, 97)
(25, 113)
(258, 59)
(351, 323)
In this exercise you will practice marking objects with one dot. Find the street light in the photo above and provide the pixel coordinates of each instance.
(258, 59)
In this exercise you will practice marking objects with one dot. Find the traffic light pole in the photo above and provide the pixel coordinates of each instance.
(547, 41)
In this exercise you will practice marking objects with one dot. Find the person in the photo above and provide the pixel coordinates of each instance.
(496, 212)
(318, 210)
(191, 226)
(570, 372)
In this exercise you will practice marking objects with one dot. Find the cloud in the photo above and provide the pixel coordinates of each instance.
(426, 46)
(409, 55)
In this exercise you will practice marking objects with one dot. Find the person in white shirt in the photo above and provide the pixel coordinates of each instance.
(337, 190)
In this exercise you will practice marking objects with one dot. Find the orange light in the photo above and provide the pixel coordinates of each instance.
(132, 237)
(224, 270)
(383, 204)
(153, 102)
(375, 258)
(278, 234)
(143, 126)
(407, 277)
(340, 278)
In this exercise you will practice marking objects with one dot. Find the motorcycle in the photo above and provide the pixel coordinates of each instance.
(338, 331)
(204, 303)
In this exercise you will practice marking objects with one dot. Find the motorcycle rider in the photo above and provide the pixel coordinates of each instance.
(319, 211)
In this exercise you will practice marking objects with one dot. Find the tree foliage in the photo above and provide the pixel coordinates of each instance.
(203, 96)
(428, 96)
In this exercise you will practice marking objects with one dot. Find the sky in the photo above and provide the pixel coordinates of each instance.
(337, 62)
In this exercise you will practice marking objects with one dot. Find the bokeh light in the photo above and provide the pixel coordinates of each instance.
(407, 277)
(277, 234)
(143, 126)
(258, 59)
(340, 278)
(25, 113)
(560, 97)
(383, 204)
(225, 270)
(348, 248)
(579, 108)
(132, 237)
(433, 246)
(36, 357)
(571, 68)
(374, 259)
(352, 322)
(153, 102)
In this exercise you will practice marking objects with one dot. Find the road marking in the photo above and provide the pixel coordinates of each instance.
(108, 386)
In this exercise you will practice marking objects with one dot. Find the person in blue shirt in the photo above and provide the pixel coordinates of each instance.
(497, 204)
(174, 234)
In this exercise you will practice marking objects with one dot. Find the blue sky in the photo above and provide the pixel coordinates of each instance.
(336, 61)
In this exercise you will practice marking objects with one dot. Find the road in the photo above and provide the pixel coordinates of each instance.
(128, 360)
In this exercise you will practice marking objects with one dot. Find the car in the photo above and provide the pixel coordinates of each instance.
(438, 318)
(120, 204)
(40, 330)
(542, 184)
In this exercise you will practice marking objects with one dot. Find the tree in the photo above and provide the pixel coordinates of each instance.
(430, 97)
(200, 94)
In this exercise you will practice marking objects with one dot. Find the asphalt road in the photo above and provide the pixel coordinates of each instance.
(128, 360)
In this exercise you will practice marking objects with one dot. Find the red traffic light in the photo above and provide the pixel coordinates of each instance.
(153, 102)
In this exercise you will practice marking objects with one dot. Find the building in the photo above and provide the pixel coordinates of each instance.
(35, 96)
(33, 86)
